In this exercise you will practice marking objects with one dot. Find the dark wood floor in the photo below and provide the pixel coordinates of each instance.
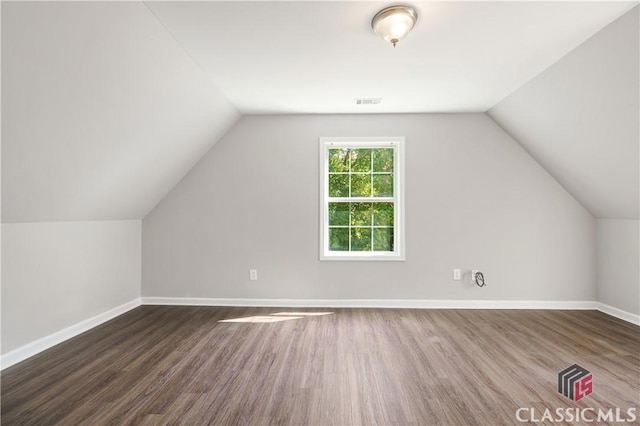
(159, 365)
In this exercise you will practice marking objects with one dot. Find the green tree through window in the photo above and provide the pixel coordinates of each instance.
(360, 197)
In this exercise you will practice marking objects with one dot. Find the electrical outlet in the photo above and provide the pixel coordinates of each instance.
(253, 274)
(457, 274)
(473, 274)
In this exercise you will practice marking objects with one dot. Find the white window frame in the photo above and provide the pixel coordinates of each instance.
(397, 142)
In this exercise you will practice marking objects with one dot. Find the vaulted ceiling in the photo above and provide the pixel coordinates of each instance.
(579, 119)
(102, 111)
(316, 57)
(106, 106)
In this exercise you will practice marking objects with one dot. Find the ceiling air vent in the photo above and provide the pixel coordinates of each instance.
(368, 101)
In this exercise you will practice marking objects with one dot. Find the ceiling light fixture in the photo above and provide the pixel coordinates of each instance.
(394, 23)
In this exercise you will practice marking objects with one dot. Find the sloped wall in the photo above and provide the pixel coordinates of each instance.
(102, 111)
(580, 119)
(102, 114)
(474, 199)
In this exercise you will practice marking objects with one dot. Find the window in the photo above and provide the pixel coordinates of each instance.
(361, 199)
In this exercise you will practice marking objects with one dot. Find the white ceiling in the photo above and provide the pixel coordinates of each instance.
(102, 112)
(316, 57)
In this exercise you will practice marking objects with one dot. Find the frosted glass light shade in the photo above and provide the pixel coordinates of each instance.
(394, 23)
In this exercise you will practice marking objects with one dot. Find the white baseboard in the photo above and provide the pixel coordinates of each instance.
(373, 303)
(618, 313)
(33, 348)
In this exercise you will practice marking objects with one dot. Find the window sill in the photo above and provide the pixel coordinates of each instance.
(359, 258)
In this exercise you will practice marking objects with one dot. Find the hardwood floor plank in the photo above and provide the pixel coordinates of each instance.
(179, 365)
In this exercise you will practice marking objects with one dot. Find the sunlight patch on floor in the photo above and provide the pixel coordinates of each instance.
(260, 319)
(278, 316)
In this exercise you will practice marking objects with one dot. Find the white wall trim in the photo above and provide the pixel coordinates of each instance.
(373, 303)
(33, 348)
(618, 313)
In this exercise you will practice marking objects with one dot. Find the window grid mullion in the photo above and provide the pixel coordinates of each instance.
(371, 193)
(361, 199)
(350, 158)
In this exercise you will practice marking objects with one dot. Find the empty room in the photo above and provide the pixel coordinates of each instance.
(320, 213)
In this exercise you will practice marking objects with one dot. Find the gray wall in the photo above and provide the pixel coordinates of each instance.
(474, 199)
(55, 275)
(619, 264)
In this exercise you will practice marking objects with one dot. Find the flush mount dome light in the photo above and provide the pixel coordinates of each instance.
(394, 23)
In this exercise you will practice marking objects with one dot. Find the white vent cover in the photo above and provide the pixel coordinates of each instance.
(368, 101)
